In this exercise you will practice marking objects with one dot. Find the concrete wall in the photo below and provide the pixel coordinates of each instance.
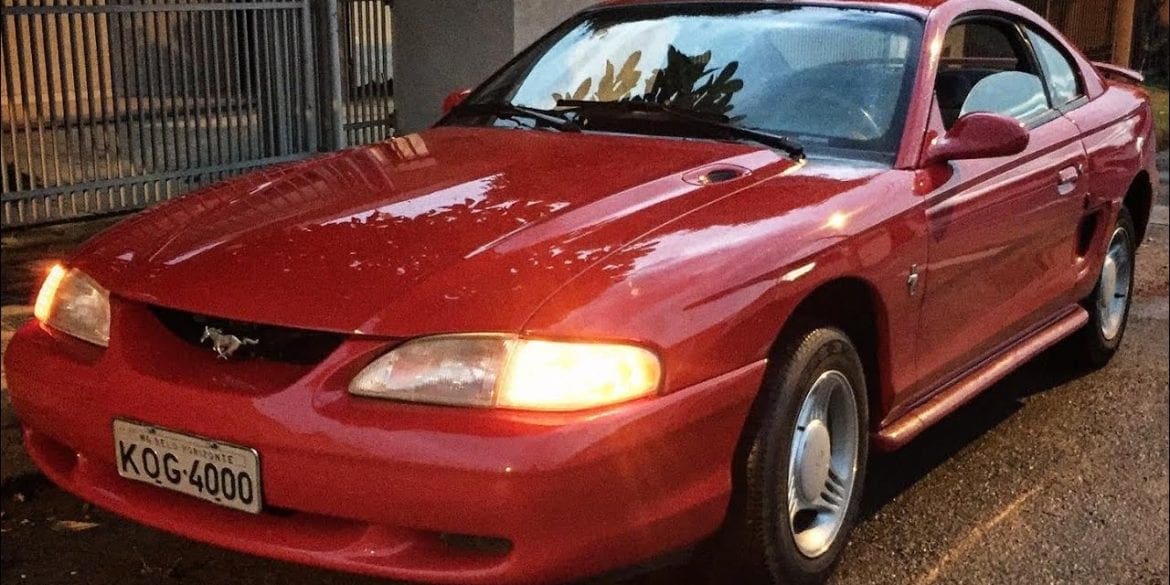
(533, 18)
(443, 45)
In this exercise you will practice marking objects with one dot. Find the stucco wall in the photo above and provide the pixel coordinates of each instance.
(444, 45)
(441, 46)
(533, 18)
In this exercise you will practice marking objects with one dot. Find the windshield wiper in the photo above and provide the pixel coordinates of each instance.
(711, 121)
(548, 118)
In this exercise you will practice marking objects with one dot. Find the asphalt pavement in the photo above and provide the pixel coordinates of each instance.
(1055, 475)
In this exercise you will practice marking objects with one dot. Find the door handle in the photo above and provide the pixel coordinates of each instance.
(1067, 180)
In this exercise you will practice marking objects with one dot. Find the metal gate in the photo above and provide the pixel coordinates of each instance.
(367, 71)
(113, 105)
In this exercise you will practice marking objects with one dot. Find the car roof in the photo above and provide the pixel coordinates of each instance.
(920, 7)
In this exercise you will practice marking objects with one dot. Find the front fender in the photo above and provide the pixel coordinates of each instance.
(711, 291)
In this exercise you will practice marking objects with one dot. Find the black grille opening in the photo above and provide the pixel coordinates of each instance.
(473, 543)
(271, 342)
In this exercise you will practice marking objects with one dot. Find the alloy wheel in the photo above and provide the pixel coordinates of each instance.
(822, 463)
(1114, 285)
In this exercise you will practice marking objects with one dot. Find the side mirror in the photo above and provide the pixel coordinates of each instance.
(454, 98)
(979, 135)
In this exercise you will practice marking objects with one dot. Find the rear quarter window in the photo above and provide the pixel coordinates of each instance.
(1063, 83)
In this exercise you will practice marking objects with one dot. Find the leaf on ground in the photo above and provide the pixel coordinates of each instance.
(73, 526)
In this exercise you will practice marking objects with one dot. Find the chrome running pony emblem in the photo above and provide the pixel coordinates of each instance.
(225, 344)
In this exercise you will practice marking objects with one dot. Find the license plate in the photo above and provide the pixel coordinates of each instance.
(223, 474)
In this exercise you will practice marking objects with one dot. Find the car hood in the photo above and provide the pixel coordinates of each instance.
(452, 229)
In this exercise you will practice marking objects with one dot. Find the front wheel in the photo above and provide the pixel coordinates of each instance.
(799, 485)
(1108, 305)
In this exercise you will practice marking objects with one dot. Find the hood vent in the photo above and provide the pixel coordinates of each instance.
(717, 173)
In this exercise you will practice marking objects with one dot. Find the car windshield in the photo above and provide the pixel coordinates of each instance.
(833, 80)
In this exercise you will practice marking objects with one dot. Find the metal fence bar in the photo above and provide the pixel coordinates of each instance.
(108, 109)
(136, 93)
(280, 70)
(291, 37)
(367, 66)
(383, 55)
(158, 89)
(346, 72)
(157, 150)
(251, 87)
(129, 196)
(67, 42)
(41, 79)
(333, 55)
(236, 105)
(309, 81)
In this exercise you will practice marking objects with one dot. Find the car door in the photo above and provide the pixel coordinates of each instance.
(1002, 230)
(1107, 129)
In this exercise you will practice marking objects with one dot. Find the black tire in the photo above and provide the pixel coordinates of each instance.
(1091, 342)
(757, 544)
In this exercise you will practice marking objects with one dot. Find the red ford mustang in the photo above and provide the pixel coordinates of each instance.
(668, 277)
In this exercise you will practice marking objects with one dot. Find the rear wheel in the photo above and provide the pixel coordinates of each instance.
(799, 481)
(1108, 305)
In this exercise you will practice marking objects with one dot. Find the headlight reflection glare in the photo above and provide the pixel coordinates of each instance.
(72, 302)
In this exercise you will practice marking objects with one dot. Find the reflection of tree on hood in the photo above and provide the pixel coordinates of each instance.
(685, 82)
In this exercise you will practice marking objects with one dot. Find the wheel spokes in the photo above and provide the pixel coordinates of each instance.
(823, 459)
(1114, 284)
(835, 490)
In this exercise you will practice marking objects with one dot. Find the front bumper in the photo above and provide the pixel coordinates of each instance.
(378, 487)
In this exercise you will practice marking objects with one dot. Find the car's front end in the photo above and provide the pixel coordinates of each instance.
(388, 416)
(412, 491)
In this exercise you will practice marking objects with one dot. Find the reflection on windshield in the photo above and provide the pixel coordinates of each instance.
(832, 78)
(685, 83)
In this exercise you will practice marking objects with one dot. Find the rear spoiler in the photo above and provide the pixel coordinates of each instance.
(1115, 73)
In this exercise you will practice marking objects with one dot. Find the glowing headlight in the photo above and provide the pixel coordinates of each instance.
(490, 370)
(72, 302)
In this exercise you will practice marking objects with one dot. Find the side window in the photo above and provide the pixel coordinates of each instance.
(1058, 70)
(985, 68)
